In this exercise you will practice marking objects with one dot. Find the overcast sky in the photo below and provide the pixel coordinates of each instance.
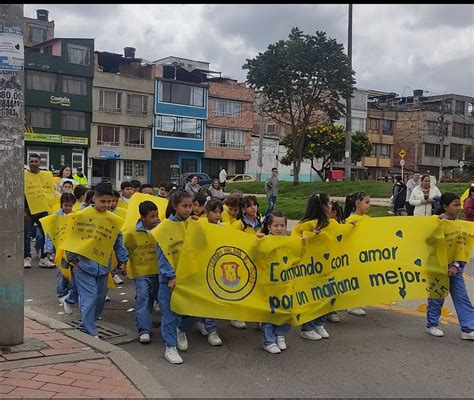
(396, 48)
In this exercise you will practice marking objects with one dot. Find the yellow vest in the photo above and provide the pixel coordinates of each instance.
(142, 257)
(81, 181)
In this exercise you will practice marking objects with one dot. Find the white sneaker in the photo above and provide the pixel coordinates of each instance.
(333, 318)
(356, 311)
(310, 335)
(27, 262)
(214, 339)
(281, 342)
(321, 331)
(46, 263)
(156, 306)
(467, 335)
(435, 331)
(144, 338)
(200, 326)
(97, 336)
(238, 324)
(107, 298)
(117, 279)
(272, 348)
(172, 355)
(182, 341)
(67, 307)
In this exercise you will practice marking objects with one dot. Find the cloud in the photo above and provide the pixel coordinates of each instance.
(394, 45)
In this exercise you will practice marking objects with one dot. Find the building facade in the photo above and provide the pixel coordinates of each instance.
(122, 101)
(39, 30)
(229, 125)
(58, 101)
(434, 131)
(180, 118)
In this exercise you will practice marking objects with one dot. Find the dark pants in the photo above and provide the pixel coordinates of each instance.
(410, 208)
(30, 220)
(222, 186)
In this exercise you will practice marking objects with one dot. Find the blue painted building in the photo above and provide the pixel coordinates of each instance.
(180, 117)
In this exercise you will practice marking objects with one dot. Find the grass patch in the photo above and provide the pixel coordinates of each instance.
(339, 189)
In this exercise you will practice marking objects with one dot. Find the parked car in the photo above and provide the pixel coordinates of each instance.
(204, 179)
(240, 178)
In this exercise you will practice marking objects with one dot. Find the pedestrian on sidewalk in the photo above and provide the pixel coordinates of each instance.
(222, 177)
(90, 276)
(450, 208)
(411, 184)
(143, 266)
(271, 190)
(469, 205)
(399, 194)
(424, 196)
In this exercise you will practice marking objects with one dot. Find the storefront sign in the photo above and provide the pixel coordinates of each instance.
(39, 137)
(110, 154)
(60, 101)
(11, 52)
(75, 140)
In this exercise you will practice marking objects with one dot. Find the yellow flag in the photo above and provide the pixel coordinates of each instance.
(39, 191)
(464, 197)
(232, 275)
(170, 237)
(133, 215)
(92, 234)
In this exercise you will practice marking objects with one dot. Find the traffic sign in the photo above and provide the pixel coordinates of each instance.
(402, 162)
(402, 154)
(461, 164)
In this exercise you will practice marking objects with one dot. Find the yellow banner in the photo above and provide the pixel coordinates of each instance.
(142, 257)
(133, 215)
(276, 279)
(92, 234)
(170, 237)
(39, 191)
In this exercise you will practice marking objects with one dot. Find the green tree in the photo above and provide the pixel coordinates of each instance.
(298, 77)
(327, 143)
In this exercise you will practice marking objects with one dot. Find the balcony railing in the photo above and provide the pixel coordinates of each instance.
(110, 110)
(227, 145)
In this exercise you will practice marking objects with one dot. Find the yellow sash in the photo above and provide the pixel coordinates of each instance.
(39, 191)
(92, 234)
(170, 236)
(142, 258)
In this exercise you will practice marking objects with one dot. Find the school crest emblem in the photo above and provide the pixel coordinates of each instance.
(231, 274)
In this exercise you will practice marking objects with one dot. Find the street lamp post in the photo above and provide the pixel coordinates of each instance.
(347, 154)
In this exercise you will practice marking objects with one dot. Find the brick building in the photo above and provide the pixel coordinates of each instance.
(37, 30)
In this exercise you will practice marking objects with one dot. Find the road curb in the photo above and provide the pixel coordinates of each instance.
(131, 368)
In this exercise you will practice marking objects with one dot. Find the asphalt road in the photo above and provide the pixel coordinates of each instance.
(384, 354)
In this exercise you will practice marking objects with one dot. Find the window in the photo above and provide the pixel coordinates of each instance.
(358, 124)
(137, 104)
(128, 168)
(178, 93)
(38, 34)
(43, 152)
(190, 128)
(384, 151)
(77, 159)
(108, 135)
(38, 117)
(470, 109)
(229, 138)
(431, 150)
(37, 80)
(373, 124)
(270, 129)
(73, 120)
(48, 50)
(359, 101)
(134, 137)
(455, 152)
(73, 85)
(139, 169)
(460, 107)
(458, 129)
(388, 126)
(110, 101)
(227, 108)
(77, 54)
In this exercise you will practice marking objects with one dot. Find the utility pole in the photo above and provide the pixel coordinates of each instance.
(11, 165)
(441, 139)
(348, 158)
(260, 139)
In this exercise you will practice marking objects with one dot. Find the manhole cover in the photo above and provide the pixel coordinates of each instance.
(107, 331)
